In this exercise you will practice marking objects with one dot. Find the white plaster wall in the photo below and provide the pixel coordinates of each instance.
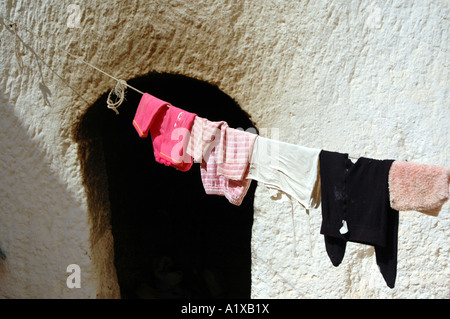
(370, 78)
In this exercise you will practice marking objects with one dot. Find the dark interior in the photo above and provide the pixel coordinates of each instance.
(171, 239)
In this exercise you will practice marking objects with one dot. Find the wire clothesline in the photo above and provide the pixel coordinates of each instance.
(119, 88)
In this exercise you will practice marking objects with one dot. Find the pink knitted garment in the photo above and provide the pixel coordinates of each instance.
(418, 187)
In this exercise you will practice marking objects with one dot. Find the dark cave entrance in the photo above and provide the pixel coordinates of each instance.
(171, 240)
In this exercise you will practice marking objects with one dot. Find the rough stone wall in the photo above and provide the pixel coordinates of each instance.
(370, 78)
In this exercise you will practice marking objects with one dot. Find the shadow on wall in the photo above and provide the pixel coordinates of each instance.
(171, 240)
(38, 214)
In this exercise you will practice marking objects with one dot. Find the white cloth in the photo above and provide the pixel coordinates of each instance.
(289, 168)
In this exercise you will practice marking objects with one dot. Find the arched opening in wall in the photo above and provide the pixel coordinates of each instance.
(171, 239)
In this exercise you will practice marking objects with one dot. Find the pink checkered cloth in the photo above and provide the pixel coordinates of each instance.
(224, 155)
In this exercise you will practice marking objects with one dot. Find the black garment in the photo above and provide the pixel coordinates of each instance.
(358, 193)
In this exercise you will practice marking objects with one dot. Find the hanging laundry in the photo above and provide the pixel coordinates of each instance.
(289, 168)
(419, 187)
(223, 154)
(169, 128)
(356, 208)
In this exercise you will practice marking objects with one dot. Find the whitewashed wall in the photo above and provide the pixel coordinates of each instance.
(369, 78)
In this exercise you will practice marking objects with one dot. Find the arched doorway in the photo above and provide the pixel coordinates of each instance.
(171, 240)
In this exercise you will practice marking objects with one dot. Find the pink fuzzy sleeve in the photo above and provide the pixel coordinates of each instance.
(418, 187)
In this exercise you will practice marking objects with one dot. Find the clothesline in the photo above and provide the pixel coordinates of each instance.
(119, 88)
